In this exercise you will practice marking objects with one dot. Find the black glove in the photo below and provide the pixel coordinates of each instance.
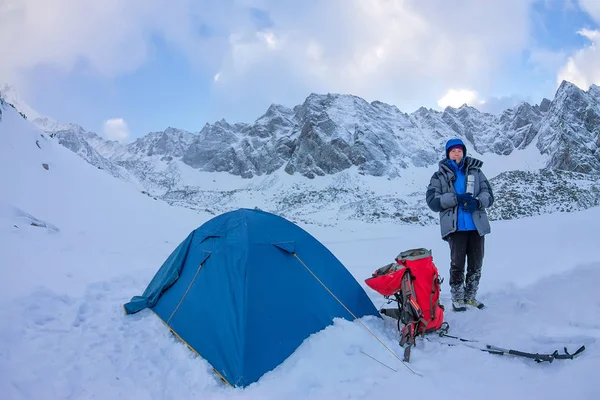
(463, 198)
(471, 205)
(467, 202)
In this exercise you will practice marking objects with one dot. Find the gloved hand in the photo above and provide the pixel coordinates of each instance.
(471, 204)
(463, 198)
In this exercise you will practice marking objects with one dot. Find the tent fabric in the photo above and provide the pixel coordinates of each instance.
(166, 276)
(236, 292)
(286, 246)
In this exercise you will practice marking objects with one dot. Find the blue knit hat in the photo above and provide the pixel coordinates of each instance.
(454, 143)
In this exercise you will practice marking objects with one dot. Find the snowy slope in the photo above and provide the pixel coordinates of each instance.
(82, 202)
(62, 292)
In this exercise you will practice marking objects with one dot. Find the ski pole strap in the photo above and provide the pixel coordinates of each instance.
(444, 328)
(568, 356)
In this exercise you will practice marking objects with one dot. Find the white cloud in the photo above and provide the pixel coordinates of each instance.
(583, 67)
(399, 51)
(456, 98)
(592, 7)
(109, 37)
(544, 60)
(116, 129)
(270, 39)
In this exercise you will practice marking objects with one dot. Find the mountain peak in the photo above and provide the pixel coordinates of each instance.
(568, 92)
(51, 126)
(523, 105)
(11, 96)
(462, 109)
(222, 123)
(331, 98)
(275, 109)
(567, 87)
(595, 91)
(467, 107)
(175, 131)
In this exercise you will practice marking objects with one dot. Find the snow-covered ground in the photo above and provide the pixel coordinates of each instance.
(95, 242)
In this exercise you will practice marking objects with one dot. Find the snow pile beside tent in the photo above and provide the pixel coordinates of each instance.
(91, 215)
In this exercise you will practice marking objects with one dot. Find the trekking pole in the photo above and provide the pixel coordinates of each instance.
(534, 356)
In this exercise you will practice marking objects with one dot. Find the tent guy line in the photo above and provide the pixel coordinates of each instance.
(357, 319)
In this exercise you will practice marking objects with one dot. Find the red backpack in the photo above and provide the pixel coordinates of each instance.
(414, 283)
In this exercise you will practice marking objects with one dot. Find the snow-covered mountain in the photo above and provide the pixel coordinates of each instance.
(364, 160)
(88, 146)
(331, 133)
(72, 136)
(570, 134)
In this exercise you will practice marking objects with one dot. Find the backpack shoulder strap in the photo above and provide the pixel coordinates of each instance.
(410, 314)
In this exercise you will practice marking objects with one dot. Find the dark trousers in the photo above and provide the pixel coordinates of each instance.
(465, 245)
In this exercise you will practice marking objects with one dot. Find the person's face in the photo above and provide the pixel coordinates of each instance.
(456, 154)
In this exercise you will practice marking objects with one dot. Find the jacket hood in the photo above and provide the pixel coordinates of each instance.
(455, 142)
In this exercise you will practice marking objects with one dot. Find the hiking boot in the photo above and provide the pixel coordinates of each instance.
(459, 305)
(475, 303)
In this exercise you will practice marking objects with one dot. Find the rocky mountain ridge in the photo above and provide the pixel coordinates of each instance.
(332, 134)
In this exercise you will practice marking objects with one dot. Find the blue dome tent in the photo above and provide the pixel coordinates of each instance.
(246, 288)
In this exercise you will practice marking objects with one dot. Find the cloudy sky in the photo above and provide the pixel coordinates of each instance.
(125, 68)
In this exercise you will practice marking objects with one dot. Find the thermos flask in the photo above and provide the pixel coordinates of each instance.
(470, 184)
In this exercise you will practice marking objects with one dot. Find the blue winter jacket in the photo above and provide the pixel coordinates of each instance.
(464, 219)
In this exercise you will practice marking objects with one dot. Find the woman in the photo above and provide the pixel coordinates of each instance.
(463, 219)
